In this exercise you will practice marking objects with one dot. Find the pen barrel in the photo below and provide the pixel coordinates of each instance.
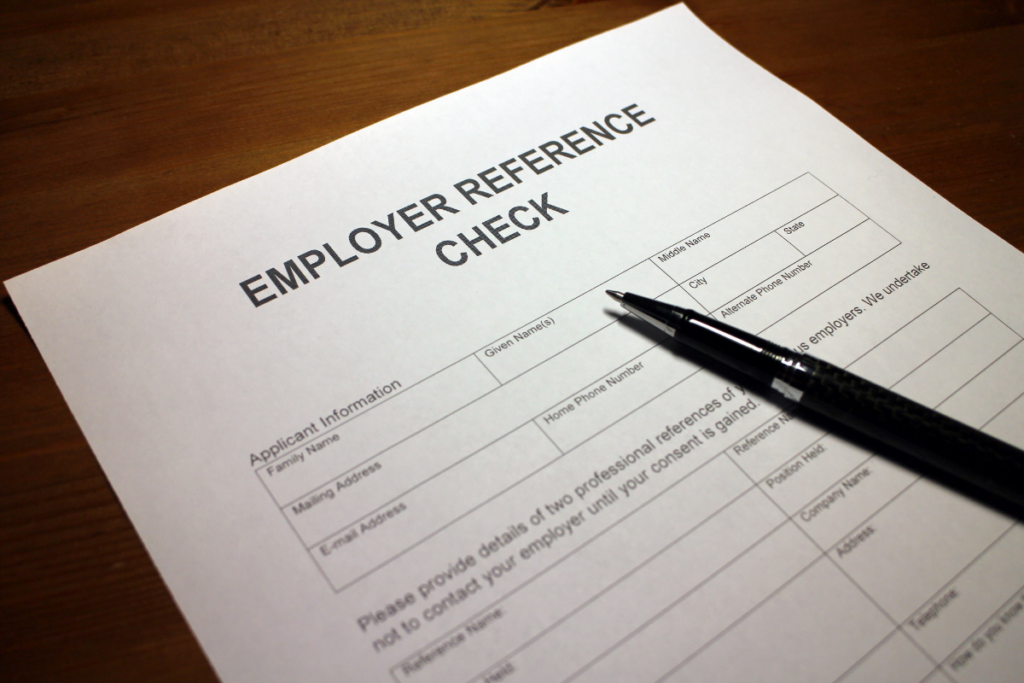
(916, 430)
(756, 358)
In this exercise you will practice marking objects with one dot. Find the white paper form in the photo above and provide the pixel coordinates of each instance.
(376, 420)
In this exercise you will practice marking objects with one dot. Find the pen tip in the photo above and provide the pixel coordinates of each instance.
(615, 295)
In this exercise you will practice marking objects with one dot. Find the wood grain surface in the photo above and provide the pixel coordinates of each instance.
(115, 111)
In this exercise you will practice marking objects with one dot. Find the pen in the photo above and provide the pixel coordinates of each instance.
(915, 430)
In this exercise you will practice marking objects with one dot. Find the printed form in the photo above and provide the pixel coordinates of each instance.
(376, 420)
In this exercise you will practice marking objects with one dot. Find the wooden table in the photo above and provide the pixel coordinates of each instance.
(115, 111)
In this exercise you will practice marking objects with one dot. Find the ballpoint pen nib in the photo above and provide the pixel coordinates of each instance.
(613, 294)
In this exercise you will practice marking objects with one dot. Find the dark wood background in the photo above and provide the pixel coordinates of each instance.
(115, 111)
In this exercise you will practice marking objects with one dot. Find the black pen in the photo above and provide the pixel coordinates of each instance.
(925, 434)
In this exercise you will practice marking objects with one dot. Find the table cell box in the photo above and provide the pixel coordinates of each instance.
(369, 431)
(839, 511)
(894, 660)
(689, 624)
(992, 393)
(725, 280)
(913, 344)
(958, 362)
(620, 392)
(821, 225)
(720, 240)
(678, 296)
(465, 432)
(806, 277)
(773, 442)
(421, 511)
(929, 533)
(948, 617)
(634, 602)
(993, 652)
(525, 348)
(590, 361)
(815, 470)
(814, 610)
(669, 437)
